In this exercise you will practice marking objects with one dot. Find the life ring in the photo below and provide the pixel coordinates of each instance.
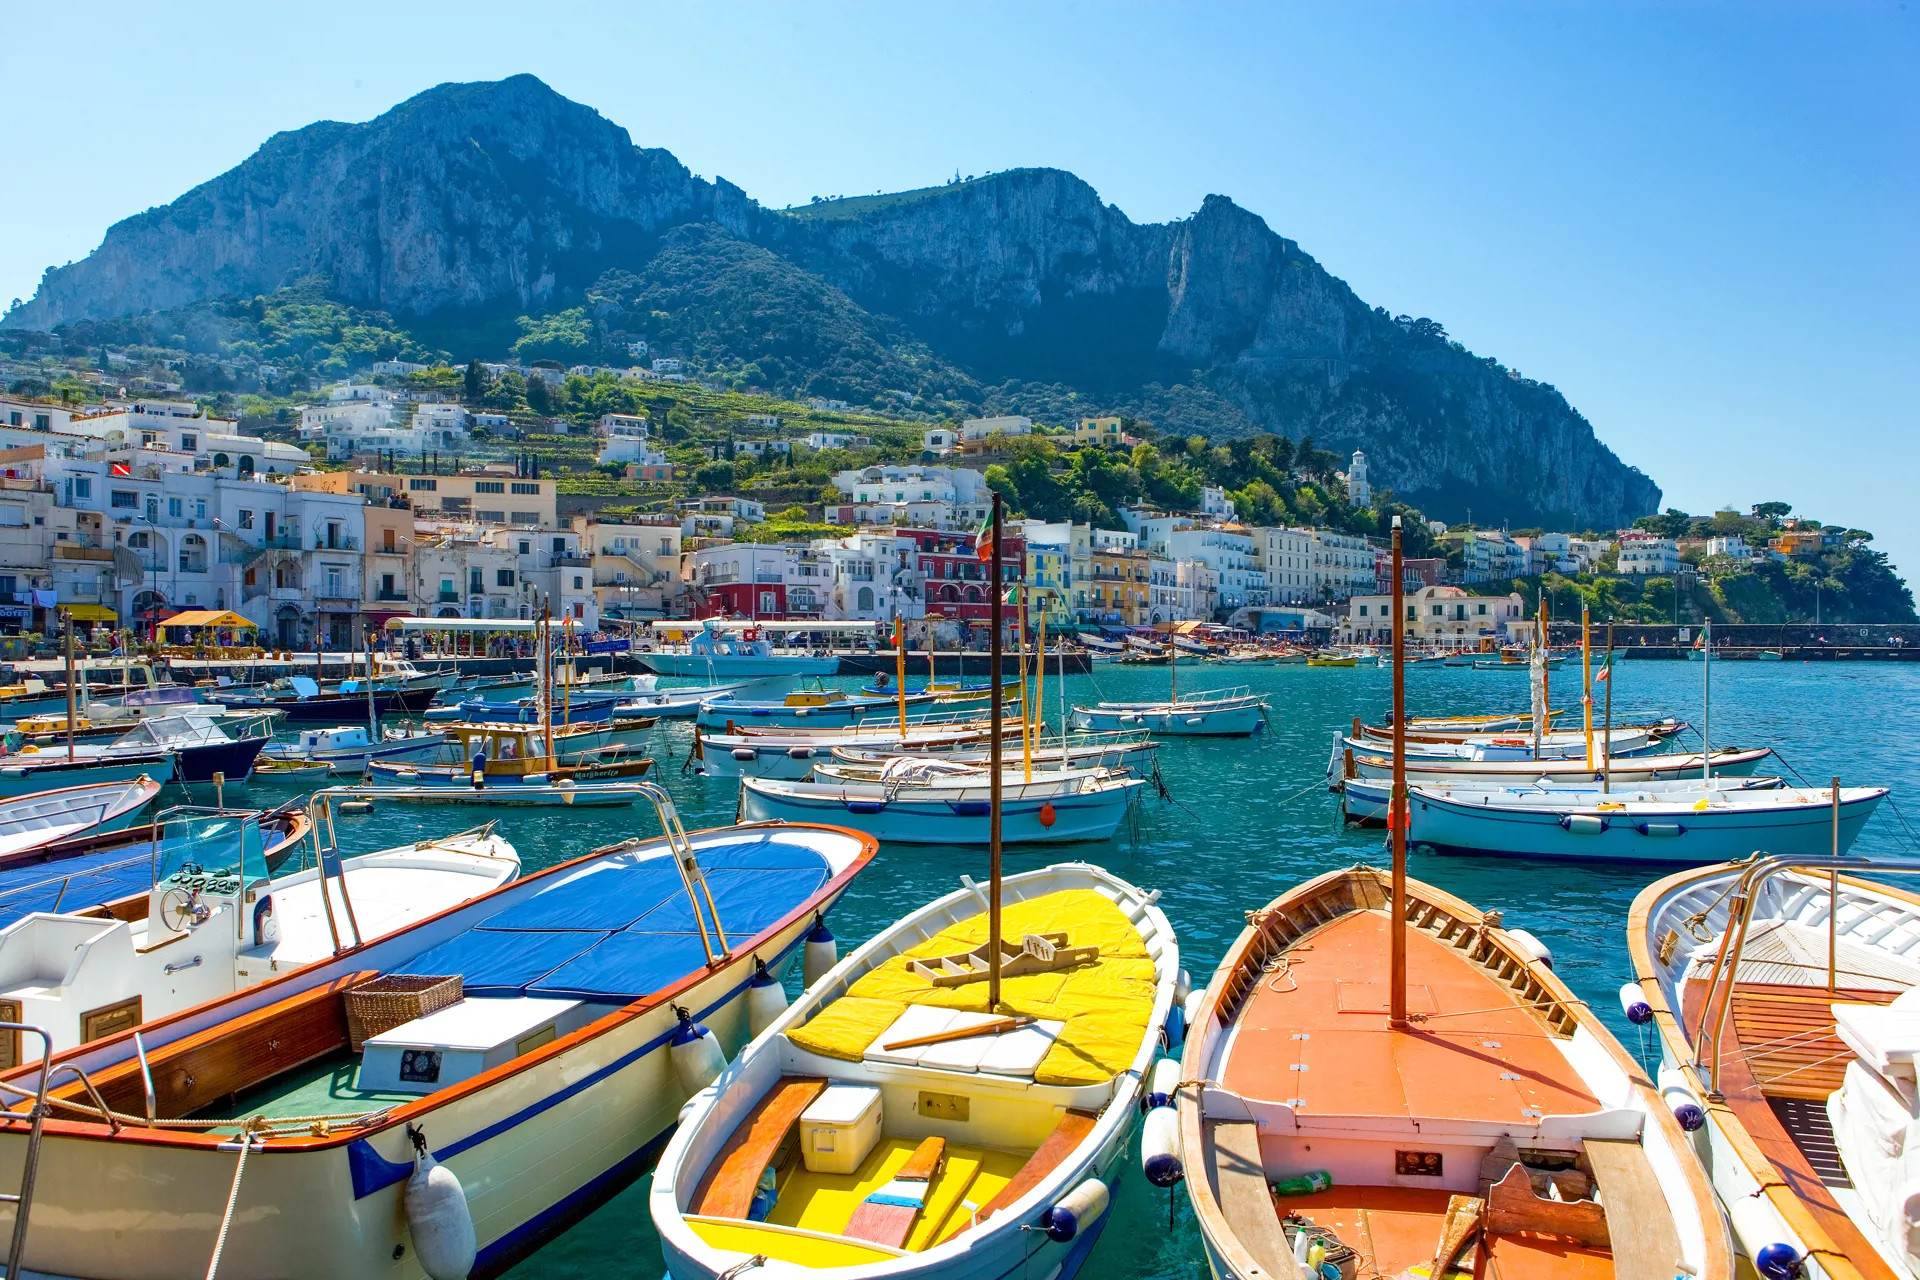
(750, 635)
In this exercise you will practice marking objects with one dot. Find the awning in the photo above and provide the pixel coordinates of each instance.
(209, 618)
(90, 613)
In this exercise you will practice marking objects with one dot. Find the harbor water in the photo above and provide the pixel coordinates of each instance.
(1246, 820)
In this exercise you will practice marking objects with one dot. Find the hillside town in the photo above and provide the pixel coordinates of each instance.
(125, 513)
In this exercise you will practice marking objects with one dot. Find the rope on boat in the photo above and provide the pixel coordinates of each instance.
(233, 1199)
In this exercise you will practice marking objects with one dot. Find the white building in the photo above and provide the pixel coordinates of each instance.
(398, 368)
(1733, 546)
(1443, 617)
(555, 572)
(1342, 565)
(1237, 567)
(32, 415)
(1641, 552)
(625, 440)
(632, 424)
(1359, 492)
(1215, 505)
(921, 497)
(1287, 556)
(835, 440)
(1008, 425)
(940, 440)
(875, 577)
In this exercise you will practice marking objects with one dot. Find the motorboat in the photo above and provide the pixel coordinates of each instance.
(1214, 713)
(743, 653)
(513, 755)
(1655, 822)
(1363, 801)
(527, 1051)
(581, 707)
(537, 792)
(85, 972)
(930, 804)
(28, 824)
(34, 769)
(806, 708)
(1782, 995)
(1648, 767)
(897, 1122)
(103, 719)
(676, 704)
(1472, 1117)
(305, 704)
(790, 755)
(350, 748)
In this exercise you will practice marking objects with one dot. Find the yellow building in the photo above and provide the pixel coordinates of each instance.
(1118, 588)
(1099, 431)
(492, 495)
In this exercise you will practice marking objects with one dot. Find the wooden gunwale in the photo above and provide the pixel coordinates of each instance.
(400, 1115)
(1804, 1222)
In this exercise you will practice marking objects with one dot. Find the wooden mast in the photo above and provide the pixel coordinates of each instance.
(72, 710)
(1020, 666)
(1040, 693)
(546, 681)
(1606, 747)
(1706, 706)
(1586, 676)
(1397, 807)
(900, 673)
(994, 766)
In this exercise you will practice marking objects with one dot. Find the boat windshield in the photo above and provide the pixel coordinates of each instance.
(196, 843)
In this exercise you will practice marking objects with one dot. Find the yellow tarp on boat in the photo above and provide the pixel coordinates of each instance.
(1105, 1005)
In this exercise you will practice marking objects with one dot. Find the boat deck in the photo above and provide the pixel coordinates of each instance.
(329, 1086)
(1394, 1230)
(969, 1178)
(1314, 1034)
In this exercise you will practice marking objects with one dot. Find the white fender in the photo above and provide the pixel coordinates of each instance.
(1531, 947)
(766, 999)
(1633, 1003)
(1190, 1009)
(1182, 987)
(1757, 1228)
(1163, 1078)
(821, 955)
(1680, 1098)
(695, 1054)
(1160, 1147)
(1080, 1207)
(438, 1217)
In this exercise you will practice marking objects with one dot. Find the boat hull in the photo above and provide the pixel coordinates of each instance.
(1230, 722)
(905, 820)
(1702, 837)
(25, 779)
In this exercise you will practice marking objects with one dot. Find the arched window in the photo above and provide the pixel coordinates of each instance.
(866, 599)
(246, 464)
(221, 460)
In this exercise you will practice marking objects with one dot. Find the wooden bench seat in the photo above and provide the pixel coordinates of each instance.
(1068, 1134)
(727, 1189)
(1631, 1191)
(1240, 1184)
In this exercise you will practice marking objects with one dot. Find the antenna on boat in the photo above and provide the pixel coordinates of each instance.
(1397, 809)
(72, 711)
(993, 786)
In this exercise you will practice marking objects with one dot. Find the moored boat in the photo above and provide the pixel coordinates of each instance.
(28, 824)
(1214, 713)
(350, 749)
(835, 1141)
(806, 708)
(1347, 763)
(1055, 807)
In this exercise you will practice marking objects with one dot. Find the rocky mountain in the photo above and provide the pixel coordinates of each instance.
(473, 203)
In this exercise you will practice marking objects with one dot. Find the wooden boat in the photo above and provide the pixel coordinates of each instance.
(522, 793)
(1214, 713)
(1647, 767)
(611, 765)
(1013, 1132)
(1428, 733)
(1333, 660)
(274, 768)
(1656, 822)
(675, 704)
(1500, 1131)
(350, 749)
(786, 754)
(211, 895)
(1621, 743)
(548, 1086)
(31, 823)
(1056, 807)
(807, 707)
(1782, 994)
(33, 769)
(1111, 751)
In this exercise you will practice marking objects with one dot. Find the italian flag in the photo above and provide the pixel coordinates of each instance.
(983, 541)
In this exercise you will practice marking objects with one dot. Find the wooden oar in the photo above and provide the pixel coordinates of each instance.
(993, 1028)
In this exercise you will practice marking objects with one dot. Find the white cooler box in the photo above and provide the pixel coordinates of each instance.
(840, 1128)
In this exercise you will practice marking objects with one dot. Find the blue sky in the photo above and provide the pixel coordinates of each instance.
(1699, 222)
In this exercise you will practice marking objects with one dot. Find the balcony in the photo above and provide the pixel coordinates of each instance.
(74, 551)
(343, 542)
(448, 597)
(386, 597)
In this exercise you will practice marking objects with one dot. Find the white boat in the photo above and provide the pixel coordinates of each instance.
(546, 1086)
(1021, 1136)
(532, 792)
(1215, 713)
(29, 823)
(1119, 751)
(1364, 800)
(348, 748)
(677, 704)
(43, 769)
(1726, 762)
(719, 652)
(1512, 746)
(1676, 825)
(779, 754)
(1497, 1130)
(216, 920)
(1057, 806)
(808, 708)
(1783, 996)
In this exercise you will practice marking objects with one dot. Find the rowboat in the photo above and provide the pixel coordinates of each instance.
(28, 824)
(522, 793)
(1421, 733)
(806, 707)
(1347, 763)
(1055, 807)
(592, 999)
(1781, 991)
(1214, 713)
(1363, 801)
(34, 770)
(1109, 751)
(1683, 822)
(779, 754)
(675, 704)
(1498, 1129)
(1512, 746)
(214, 919)
(975, 1156)
(350, 749)
(1333, 660)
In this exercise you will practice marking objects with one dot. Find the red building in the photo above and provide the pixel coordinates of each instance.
(957, 581)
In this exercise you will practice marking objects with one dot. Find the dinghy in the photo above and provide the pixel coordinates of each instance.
(899, 1121)
(806, 708)
(1055, 807)
(1783, 995)
(29, 824)
(1381, 1080)
(1111, 751)
(458, 1091)
(675, 704)
(1684, 822)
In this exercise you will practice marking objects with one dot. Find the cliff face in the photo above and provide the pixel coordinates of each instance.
(508, 197)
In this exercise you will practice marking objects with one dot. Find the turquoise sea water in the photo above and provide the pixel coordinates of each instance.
(1249, 819)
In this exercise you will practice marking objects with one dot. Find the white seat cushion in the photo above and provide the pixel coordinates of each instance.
(1885, 1037)
(1011, 1053)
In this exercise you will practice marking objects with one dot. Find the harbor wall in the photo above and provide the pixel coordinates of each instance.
(1793, 641)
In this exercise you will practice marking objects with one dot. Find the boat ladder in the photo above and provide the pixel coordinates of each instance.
(36, 1118)
(691, 874)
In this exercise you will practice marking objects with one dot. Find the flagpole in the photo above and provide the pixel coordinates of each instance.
(994, 766)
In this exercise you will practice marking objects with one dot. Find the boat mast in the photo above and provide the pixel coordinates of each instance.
(994, 765)
(546, 680)
(1537, 678)
(1020, 666)
(566, 679)
(1706, 706)
(373, 715)
(1606, 748)
(1040, 692)
(900, 673)
(72, 711)
(1397, 810)
(1586, 677)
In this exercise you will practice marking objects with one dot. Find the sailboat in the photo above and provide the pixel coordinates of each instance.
(1381, 1079)
(1216, 713)
(953, 1101)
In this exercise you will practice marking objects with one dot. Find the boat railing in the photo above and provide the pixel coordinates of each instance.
(1741, 898)
(688, 865)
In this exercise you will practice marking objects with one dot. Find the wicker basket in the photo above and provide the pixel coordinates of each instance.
(387, 1002)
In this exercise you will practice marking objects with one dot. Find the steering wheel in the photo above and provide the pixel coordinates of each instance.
(180, 910)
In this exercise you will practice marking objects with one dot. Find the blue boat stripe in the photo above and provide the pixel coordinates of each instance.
(373, 1172)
